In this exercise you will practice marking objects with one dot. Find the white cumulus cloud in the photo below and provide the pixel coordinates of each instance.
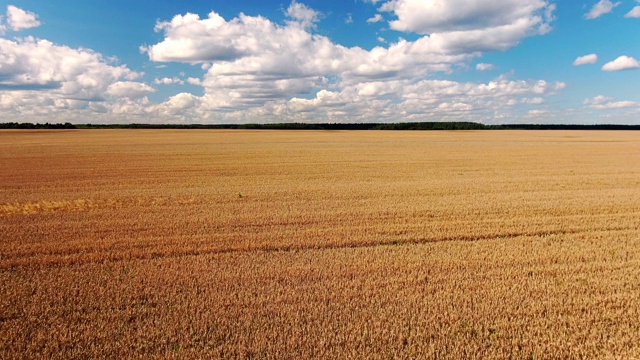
(600, 8)
(375, 19)
(35, 64)
(484, 67)
(182, 105)
(518, 18)
(533, 101)
(168, 81)
(302, 14)
(633, 13)
(182, 100)
(194, 81)
(129, 89)
(606, 103)
(466, 26)
(586, 59)
(19, 19)
(621, 63)
(537, 113)
(251, 60)
(41, 81)
(254, 69)
(258, 69)
(407, 100)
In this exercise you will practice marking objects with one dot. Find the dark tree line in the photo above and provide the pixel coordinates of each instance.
(14, 125)
(327, 126)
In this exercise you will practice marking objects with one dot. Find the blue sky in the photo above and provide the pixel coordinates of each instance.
(242, 61)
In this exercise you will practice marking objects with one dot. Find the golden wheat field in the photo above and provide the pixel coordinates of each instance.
(319, 244)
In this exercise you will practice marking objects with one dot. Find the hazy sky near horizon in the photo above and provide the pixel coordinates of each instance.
(256, 61)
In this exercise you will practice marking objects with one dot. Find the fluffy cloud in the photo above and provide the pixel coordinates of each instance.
(190, 39)
(537, 113)
(498, 38)
(194, 81)
(479, 27)
(484, 67)
(258, 70)
(466, 26)
(251, 61)
(606, 103)
(129, 89)
(182, 101)
(168, 81)
(586, 59)
(533, 101)
(183, 107)
(444, 16)
(302, 14)
(600, 8)
(621, 63)
(473, 101)
(375, 19)
(634, 13)
(19, 19)
(324, 98)
(39, 79)
(407, 100)
(33, 64)
(499, 88)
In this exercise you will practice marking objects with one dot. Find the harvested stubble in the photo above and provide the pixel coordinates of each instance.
(276, 244)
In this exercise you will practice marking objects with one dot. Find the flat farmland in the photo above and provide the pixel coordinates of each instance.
(319, 244)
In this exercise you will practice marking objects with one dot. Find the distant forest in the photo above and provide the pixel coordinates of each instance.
(306, 126)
